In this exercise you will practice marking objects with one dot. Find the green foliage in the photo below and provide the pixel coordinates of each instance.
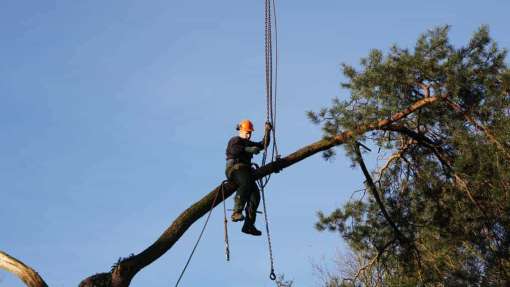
(447, 188)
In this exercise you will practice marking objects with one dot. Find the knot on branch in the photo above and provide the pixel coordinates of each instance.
(121, 260)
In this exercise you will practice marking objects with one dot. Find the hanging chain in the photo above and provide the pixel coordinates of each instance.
(273, 107)
(268, 56)
(270, 116)
(272, 275)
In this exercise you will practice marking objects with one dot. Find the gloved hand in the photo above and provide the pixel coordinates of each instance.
(252, 149)
(269, 126)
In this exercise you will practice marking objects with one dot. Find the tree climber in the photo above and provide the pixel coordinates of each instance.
(240, 151)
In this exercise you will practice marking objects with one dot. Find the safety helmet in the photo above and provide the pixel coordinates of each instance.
(246, 126)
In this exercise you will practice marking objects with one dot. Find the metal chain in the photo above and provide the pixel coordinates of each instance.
(273, 120)
(267, 52)
(272, 275)
(270, 118)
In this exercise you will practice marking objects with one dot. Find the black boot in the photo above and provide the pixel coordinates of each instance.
(250, 229)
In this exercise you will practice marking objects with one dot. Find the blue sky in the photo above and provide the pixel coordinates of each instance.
(114, 116)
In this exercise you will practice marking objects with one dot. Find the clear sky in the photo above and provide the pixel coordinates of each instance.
(114, 116)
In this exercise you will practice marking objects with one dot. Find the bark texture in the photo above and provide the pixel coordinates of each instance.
(25, 273)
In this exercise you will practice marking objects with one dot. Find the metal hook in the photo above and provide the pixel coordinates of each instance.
(272, 276)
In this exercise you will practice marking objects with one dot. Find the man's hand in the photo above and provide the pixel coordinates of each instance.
(269, 126)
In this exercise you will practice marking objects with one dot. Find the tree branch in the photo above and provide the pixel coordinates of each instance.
(443, 157)
(28, 275)
(370, 264)
(122, 274)
(492, 138)
(375, 193)
(397, 155)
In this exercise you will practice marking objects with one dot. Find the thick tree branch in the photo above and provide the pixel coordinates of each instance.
(375, 193)
(123, 273)
(22, 271)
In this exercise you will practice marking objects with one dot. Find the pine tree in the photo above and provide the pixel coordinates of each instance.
(438, 209)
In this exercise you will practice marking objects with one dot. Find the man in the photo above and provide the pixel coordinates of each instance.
(240, 151)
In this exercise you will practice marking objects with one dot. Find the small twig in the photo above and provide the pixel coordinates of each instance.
(425, 88)
(393, 157)
(356, 191)
(370, 264)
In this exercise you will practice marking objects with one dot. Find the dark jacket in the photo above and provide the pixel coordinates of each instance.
(235, 149)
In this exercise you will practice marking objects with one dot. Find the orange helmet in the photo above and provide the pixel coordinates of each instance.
(245, 125)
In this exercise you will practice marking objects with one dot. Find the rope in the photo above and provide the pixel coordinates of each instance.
(270, 6)
(225, 222)
(198, 240)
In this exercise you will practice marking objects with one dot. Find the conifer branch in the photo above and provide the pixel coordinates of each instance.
(492, 138)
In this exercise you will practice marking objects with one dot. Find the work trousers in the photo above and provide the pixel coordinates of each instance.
(248, 194)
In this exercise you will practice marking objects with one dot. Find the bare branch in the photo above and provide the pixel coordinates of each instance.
(395, 156)
(371, 263)
(28, 275)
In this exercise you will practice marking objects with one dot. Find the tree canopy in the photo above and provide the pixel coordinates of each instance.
(436, 210)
